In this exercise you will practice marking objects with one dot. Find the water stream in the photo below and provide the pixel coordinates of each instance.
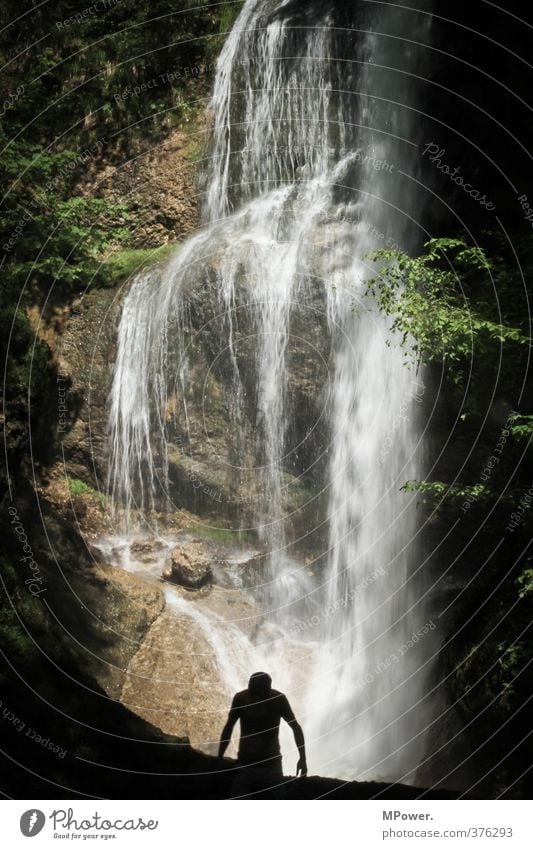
(313, 156)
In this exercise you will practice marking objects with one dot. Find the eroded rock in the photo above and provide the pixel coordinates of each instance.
(146, 550)
(189, 566)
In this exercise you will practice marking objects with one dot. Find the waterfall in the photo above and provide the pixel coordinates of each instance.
(313, 165)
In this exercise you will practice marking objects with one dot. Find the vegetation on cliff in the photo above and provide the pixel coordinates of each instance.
(461, 312)
(80, 86)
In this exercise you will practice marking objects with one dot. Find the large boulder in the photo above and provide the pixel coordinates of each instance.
(189, 566)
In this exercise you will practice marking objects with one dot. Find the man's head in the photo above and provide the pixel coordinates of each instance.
(259, 685)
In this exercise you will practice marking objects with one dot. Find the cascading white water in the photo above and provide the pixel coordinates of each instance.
(312, 148)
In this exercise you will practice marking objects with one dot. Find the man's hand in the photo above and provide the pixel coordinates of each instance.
(301, 767)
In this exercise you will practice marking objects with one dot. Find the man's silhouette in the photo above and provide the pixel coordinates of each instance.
(260, 710)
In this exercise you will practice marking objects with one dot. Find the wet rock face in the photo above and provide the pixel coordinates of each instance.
(157, 186)
(86, 350)
(189, 566)
(215, 451)
(239, 569)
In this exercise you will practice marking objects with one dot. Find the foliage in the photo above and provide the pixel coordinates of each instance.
(23, 616)
(121, 264)
(84, 78)
(29, 382)
(227, 14)
(221, 534)
(456, 309)
(521, 426)
(441, 306)
(45, 233)
(67, 102)
(79, 84)
(462, 314)
(437, 490)
(525, 583)
(79, 487)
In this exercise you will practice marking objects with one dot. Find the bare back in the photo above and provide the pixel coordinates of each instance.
(260, 720)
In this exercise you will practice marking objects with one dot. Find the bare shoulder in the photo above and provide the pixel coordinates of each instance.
(282, 705)
(280, 699)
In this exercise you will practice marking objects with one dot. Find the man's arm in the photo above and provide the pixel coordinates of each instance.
(289, 717)
(301, 766)
(225, 737)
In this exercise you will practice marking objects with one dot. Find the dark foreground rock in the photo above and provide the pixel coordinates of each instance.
(63, 732)
(106, 752)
